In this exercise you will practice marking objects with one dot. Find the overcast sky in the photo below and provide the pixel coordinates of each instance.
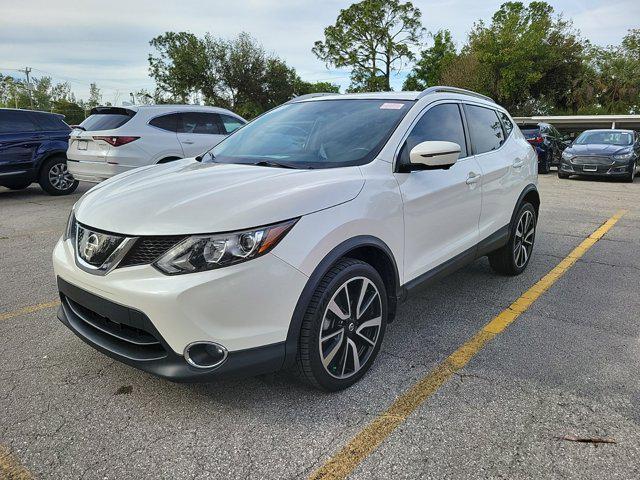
(108, 42)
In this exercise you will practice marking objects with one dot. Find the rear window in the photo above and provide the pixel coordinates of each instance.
(530, 131)
(107, 119)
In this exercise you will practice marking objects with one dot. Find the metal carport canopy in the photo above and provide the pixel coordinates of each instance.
(584, 122)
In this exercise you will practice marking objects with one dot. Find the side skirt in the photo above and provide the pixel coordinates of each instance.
(492, 242)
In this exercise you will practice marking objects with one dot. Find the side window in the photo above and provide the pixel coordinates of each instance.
(507, 124)
(200, 122)
(166, 122)
(442, 122)
(484, 129)
(50, 122)
(230, 123)
(15, 121)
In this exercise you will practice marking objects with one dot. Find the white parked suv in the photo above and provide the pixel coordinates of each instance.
(112, 140)
(291, 243)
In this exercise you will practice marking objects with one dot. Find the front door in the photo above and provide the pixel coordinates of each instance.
(441, 207)
(199, 131)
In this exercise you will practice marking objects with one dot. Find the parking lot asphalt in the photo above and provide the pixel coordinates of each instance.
(566, 369)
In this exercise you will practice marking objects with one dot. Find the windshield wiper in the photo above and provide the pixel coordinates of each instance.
(271, 163)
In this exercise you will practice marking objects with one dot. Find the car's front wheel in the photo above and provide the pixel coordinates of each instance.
(632, 172)
(55, 178)
(343, 326)
(514, 257)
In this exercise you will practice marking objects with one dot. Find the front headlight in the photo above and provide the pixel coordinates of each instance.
(70, 230)
(199, 253)
(566, 155)
(623, 156)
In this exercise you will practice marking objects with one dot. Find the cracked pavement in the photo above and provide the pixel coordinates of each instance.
(568, 366)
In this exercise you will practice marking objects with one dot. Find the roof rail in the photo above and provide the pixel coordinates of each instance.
(310, 95)
(461, 91)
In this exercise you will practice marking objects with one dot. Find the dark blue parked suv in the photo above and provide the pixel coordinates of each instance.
(33, 148)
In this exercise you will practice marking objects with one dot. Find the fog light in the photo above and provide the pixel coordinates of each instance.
(205, 354)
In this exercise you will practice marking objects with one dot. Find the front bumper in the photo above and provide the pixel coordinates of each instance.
(246, 308)
(613, 170)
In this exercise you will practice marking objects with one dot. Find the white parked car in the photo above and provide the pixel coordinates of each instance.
(112, 140)
(291, 243)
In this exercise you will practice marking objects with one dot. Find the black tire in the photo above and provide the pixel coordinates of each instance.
(55, 168)
(562, 175)
(309, 359)
(544, 166)
(508, 259)
(629, 178)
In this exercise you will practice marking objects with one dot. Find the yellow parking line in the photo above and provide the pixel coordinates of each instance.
(29, 309)
(367, 440)
(10, 467)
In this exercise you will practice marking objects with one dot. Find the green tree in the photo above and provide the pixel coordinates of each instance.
(95, 97)
(526, 56)
(373, 38)
(181, 65)
(433, 60)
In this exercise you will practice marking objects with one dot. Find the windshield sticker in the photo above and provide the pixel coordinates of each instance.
(391, 106)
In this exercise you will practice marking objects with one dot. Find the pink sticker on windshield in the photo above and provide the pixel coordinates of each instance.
(391, 106)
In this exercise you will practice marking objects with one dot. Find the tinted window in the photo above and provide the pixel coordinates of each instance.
(166, 122)
(442, 122)
(231, 123)
(507, 124)
(105, 121)
(199, 122)
(50, 122)
(316, 134)
(15, 121)
(484, 129)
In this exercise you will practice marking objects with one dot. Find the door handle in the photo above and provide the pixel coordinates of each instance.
(518, 163)
(188, 142)
(472, 178)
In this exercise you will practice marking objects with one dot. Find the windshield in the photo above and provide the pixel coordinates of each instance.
(605, 138)
(317, 134)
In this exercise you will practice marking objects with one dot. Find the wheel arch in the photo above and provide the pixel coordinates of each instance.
(47, 156)
(367, 248)
(529, 194)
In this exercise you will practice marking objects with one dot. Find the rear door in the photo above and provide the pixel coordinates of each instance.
(441, 207)
(502, 164)
(20, 139)
(199, 131)
(52, 126)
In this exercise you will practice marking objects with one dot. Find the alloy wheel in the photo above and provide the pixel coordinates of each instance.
(350, 327)
(59, 176)
(525, 232)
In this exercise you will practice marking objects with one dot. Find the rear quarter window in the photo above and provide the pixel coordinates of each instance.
(230, 123)
(167, 122)
(50, 122)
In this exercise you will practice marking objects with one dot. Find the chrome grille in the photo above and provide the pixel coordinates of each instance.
(147, 250)
(592, 160)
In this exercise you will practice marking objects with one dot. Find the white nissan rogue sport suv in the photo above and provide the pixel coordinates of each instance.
(291, 243)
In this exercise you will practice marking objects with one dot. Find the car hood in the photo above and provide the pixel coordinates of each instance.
(186, 197)
(595, 149)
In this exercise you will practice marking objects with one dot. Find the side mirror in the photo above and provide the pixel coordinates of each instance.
(434, 155)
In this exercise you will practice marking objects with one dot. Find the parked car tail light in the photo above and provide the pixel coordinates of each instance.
(116, 141)
(535, 140)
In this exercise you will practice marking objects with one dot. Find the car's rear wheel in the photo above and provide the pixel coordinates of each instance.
(343, 326)
(55, 178)
(513, 258)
